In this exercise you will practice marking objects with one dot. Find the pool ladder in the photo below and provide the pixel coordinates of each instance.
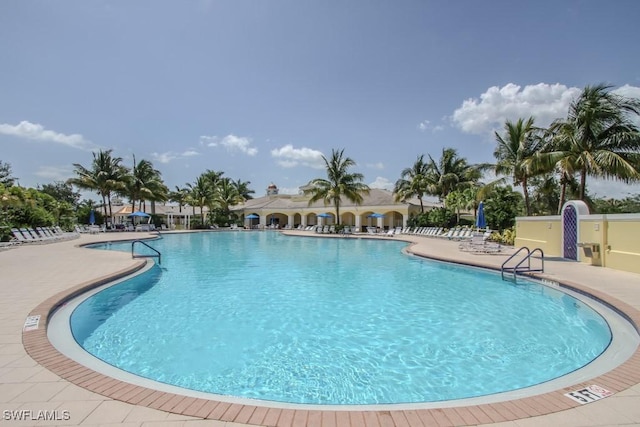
(519, 267)
(157, 253)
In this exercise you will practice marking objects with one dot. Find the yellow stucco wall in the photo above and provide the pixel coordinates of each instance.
(623, 250)
(617, 235)
(540, 232)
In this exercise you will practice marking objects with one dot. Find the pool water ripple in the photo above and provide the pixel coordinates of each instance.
(332, 321)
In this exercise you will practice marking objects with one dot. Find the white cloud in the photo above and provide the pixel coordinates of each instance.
(378, 165)
(382, 183)
(543, 101)
(54, 173)
(630, 92)
(607, 189)
(209, 141)
(290, 157)
(231, 143)
(289, 190)
(37, 132)
(425, 125)
(168, 156)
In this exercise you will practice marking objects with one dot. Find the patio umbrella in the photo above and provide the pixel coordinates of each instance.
(92, 217)
(374, 215)
(251, 217)
(323, 215)
(138, 214)
(481, 222)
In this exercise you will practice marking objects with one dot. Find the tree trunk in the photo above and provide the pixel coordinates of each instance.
(563, 194)
(421, 205)
(583, 182)
(110, 210)
(104, 205)
(525, 190)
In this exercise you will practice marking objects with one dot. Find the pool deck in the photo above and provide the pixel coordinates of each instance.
(35, 377)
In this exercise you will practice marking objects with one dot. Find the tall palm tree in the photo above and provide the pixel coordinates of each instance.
(200, 194)
(413, 182)
(226, 195)
(105, 176)
(515, 147)
(145, 183)
(339, 183)
(553, 157)
(598, 137)
(450, 173)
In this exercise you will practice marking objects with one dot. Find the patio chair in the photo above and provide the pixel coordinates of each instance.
(17, 234)
(478, 244)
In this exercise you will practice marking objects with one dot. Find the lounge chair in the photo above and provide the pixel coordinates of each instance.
(17, 234)
(480, 245)
(46, 234)
(29, 232)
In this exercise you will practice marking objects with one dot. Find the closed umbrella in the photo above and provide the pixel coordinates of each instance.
(92, 217)
(481, 222)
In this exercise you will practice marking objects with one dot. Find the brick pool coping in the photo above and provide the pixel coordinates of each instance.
(37, 345)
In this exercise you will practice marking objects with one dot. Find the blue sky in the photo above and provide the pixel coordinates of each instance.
(262, 89)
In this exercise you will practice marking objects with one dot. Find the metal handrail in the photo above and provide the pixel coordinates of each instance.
(527, 258)
(133, 254)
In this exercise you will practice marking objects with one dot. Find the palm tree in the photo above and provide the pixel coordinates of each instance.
(412, 182)
(226, 195)
(450, 173)
(598, 138)
(179, 196)
(105, 176)
(515, 148)
(553, 157)
(243, 189)
(339, 183)
(145, 183)
(200, 194)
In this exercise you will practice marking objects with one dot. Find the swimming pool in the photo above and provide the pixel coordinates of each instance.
(332, 321)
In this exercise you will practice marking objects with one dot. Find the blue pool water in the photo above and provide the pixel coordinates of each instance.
(332, 321)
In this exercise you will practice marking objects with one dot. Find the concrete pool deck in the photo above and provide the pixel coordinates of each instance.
(34, 377)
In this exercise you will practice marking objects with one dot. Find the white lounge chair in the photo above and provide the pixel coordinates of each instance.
(17, 234)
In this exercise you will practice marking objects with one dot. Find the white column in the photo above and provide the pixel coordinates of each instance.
(290, 220)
